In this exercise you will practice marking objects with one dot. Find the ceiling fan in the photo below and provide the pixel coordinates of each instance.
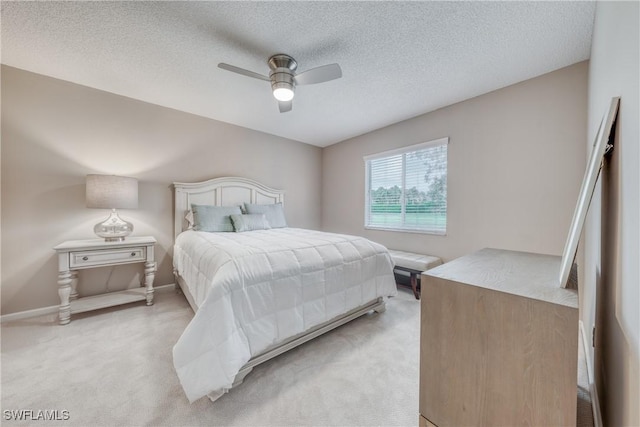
(284, 79)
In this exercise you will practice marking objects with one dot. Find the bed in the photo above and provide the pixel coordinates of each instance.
(259, 293)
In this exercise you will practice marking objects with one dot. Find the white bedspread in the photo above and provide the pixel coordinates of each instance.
(257, 288)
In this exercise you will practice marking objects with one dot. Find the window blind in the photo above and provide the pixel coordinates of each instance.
(407, 189)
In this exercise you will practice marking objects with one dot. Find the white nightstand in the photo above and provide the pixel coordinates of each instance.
(81, 254)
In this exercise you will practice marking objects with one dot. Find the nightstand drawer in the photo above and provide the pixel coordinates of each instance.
(108, 256)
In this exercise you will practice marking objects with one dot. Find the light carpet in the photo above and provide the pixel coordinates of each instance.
(114, 367)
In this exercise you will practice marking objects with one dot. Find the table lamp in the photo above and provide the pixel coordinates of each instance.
(112, 192)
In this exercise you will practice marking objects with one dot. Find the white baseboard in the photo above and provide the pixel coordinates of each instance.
(593, 390)
(20, 315)
(27, 314)
(595, 404)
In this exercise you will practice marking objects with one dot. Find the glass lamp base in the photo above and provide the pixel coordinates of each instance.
(114, 228)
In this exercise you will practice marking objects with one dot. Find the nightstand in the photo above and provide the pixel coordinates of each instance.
(77, 255)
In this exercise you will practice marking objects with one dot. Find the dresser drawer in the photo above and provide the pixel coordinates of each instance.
(83, 259)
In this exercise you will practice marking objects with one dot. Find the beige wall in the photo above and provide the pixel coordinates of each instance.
(611, 288)
(515, 164)
(55, 132)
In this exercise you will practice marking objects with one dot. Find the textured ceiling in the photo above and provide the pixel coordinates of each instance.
(399, 59)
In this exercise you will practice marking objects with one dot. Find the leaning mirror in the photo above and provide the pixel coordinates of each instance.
(601, 146)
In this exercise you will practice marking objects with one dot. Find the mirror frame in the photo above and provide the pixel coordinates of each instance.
(601, 146)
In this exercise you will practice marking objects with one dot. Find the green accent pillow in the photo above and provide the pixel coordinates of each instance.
(213, 218)
(249, 222)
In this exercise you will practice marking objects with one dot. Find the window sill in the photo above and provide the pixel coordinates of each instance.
(406, 230)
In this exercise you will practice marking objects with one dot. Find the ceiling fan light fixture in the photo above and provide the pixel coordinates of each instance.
(282, 84)
(283, 93)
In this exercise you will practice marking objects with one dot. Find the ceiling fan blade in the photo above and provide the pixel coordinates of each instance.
(285, 106)
(242, 71)
(319, 75)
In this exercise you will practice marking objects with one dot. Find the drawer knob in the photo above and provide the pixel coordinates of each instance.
(85, 258)
(133, 254)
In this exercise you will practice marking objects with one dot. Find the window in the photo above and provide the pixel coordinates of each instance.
(406, 189)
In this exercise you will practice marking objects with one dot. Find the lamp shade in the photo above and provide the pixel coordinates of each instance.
(112, 192)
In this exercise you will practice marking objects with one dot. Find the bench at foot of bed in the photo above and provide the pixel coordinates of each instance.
(414, 264)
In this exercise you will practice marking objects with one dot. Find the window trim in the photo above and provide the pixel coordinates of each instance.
(367, 184)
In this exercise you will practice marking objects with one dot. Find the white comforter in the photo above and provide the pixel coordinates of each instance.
(257, 288)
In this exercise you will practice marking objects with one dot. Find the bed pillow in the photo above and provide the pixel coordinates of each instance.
(213, 218)
(249, 222)
(273, 212)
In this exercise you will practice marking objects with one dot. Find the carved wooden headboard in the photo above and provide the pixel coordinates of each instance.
(225, 191)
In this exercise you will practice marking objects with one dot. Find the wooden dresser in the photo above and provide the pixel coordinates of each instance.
(498, 342)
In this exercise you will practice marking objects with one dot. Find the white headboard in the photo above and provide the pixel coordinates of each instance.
(225, 191)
